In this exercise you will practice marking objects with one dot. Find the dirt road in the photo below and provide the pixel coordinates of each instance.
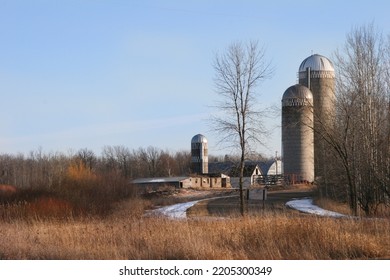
(230, 206)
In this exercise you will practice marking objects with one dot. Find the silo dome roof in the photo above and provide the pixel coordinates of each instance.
(316, 62)
(199, 138)
(297, 92)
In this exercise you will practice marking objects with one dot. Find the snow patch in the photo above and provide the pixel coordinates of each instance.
(157, 181)
(176, 211)
(306, 205)
(179, 210)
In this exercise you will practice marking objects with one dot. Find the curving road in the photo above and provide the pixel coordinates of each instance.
(306, 205)
(179, 210)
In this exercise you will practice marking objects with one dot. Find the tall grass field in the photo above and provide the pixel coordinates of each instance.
(125, 233)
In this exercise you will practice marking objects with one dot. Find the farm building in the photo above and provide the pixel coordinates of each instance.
(217, 180)
(272, 170)
(274, 167)
(193, 181)
(252, 173)
(200, 178)
(255, 172)
(155, 183)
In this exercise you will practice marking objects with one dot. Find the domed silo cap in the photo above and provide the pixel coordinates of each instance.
(298, 92)
(316, 62)
(199, 138)
(297, 95)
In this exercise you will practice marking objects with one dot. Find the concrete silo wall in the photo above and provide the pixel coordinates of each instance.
(298, 142)
(322, 85)
(199, 158)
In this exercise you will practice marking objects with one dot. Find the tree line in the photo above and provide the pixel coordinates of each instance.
(38, 169)
(358, 168)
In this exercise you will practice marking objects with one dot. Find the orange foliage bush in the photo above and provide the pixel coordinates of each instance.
(49, 207)
(78, 171)
(7, 190)
(80, 191)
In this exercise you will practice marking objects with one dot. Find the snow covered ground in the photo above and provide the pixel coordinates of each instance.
(306, 205)
(176, 211)
(179, 211)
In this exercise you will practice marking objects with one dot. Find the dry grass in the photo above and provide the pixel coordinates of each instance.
(127, 235)
(332, 205)
(382, 211)
(42, 225)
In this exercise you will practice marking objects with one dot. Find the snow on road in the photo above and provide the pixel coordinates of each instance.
(306, 205)
(176, 211)
(179, 210)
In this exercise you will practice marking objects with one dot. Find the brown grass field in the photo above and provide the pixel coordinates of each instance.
(274, 232)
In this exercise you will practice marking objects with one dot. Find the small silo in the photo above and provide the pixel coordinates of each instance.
(317, 73)
(199, 155)
(297, 134)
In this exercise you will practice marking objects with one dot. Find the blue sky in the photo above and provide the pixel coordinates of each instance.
(85, 74)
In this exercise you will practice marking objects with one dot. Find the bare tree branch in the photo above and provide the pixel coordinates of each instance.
(238, 73)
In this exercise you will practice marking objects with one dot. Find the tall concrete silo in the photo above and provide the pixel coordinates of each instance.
(199, 155)
(297, 134)
(317, 73)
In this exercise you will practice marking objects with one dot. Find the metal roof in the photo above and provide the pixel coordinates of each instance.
(229, 167)
(297, 92)
(199, 138)
(159, 180)
(316, 62)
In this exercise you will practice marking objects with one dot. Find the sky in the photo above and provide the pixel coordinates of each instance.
(94, 73)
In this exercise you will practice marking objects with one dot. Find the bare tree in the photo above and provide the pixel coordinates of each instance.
(360, 133)
(87, 157)
(123, 158)
(238, 73)
(183, 162)
(151, 157)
